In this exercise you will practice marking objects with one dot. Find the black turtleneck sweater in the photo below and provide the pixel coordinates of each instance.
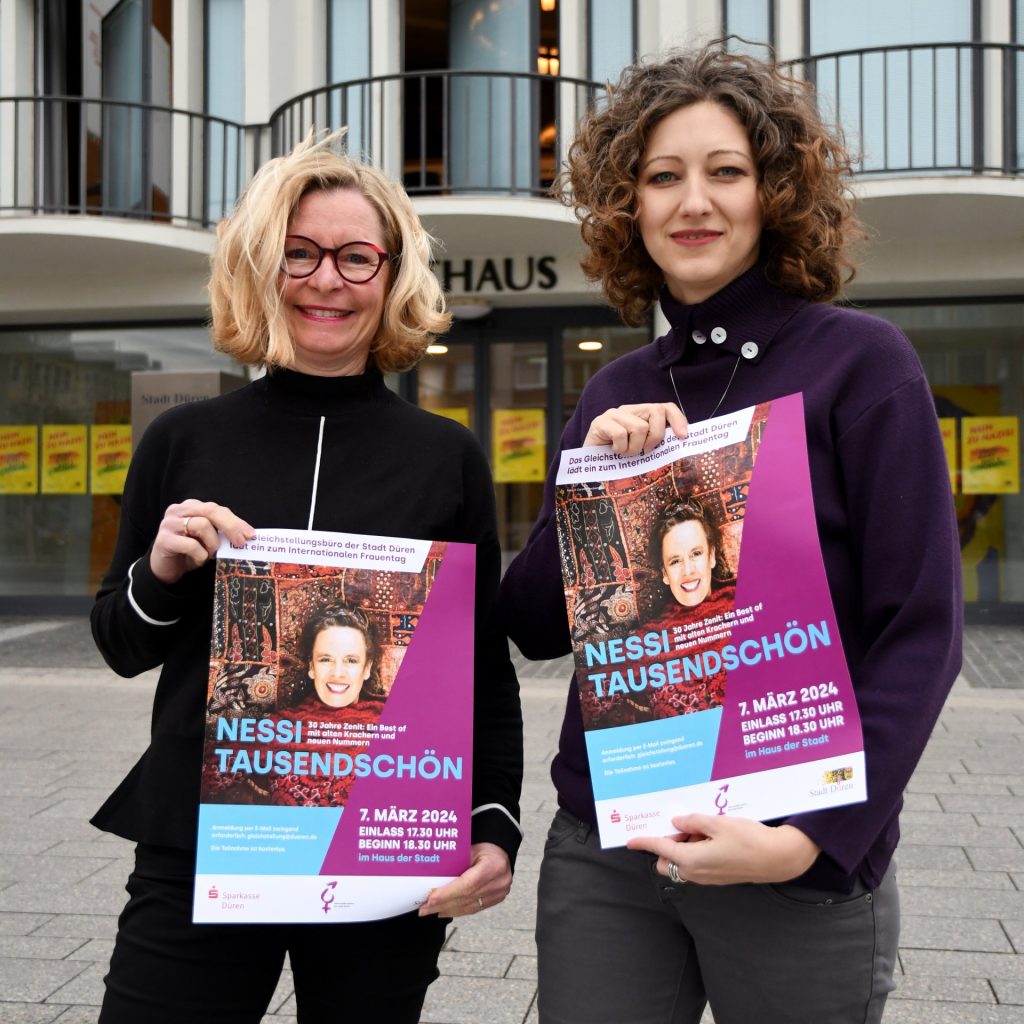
(885, 522)
(386, 468)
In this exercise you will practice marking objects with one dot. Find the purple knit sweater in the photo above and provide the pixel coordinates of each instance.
(885, 523)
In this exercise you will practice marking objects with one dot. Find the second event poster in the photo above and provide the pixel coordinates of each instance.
(337, 765)
(708, 660)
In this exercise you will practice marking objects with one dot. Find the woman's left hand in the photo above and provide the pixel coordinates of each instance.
(485, 883)
(718, 850)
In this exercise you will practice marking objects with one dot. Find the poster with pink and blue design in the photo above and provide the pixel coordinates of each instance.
(337, 763)
(708, 660)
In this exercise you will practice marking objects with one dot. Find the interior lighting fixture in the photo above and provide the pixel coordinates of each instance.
(547, 6)
(592, 345)
(437, 350)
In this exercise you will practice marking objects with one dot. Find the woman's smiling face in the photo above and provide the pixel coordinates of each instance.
(339, 665)
(687, 559)
(332, 322)
(699, 211)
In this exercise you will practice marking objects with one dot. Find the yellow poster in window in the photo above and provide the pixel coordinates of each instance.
(19, 459)
(65, 458)
(947, 426)
(517, 444)
(459, 413)
(991, 454)
(110, 453)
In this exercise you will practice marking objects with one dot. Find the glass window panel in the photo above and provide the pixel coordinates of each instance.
(582, 358)
(902, 110)
(348, 58)
(840, 25)
(61, 544)
(446, 382)
(974, 361)
(612, 45)
(751, 19)
(225, 98)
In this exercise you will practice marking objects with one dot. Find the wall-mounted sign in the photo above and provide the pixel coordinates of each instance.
(19, 459)
(110, 447)
(991, 454)
(65, 458)
(491, 275)
(153, 391)
(517, 442)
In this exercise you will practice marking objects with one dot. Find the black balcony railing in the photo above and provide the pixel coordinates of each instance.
(449, 131)
(945, 108)
(928, 108)
(65, 154)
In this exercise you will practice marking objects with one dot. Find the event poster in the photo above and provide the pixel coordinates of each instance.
(110, 454)
(65, 458)
(337, 763)
(991, 454)
(708, 660)
(19, 459)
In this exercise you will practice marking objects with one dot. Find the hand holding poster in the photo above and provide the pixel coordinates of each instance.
(337, 770)
(709, 663)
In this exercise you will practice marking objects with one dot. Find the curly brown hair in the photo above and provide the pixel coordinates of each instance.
(803, 168)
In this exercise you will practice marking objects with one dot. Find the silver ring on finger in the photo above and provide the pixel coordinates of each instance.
(673, 873)
(184, 527)
(480, 902)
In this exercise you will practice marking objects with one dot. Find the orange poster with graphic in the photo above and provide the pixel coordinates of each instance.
(19, 460)
(110, 452)
(65, 458)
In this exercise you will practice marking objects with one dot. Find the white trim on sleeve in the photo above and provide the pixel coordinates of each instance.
(135, 604)
(498, 807)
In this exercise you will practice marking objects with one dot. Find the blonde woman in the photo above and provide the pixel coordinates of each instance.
(322, 275)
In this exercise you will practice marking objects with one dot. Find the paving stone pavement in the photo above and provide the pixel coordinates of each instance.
(69, 729)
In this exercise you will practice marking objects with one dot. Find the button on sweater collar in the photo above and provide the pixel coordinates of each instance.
(749, 309)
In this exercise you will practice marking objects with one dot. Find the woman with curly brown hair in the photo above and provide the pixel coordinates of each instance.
(708, 183)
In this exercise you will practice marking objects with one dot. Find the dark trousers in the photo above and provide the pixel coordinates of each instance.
(166, 970)
(617, 942)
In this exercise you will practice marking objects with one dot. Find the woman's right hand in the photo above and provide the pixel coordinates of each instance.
(632, 429)
(187, 537)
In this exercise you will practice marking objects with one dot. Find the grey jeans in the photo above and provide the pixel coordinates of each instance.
(620, 944)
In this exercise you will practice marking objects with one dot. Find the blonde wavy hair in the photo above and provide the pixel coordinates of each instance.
(804, 172)
(246, 283)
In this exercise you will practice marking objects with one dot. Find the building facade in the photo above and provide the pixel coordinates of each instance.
(129, 127)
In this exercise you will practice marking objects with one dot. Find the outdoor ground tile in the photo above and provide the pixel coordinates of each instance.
(1015, 930)
(983, 936)
(974, 803)
(966, 784)
(987, 858)
(86, 988)
(21, 924)
(1013, 819)
(284, 992)
(29, 1013)
(94, 950)
(475, 965)
(938, 901)
(963, 964)
(476, 1000)
(86, 926)
(911, 1011)
(910, 855)
(39, 947)
(491, 940)
(921, 801)
(949, 990)
(32, 981)
(78, 1015)
(963, 878)
(938, 834)
(936, 816)
(1010, 992)
(83, 899)
(524, 967)
(63, 871)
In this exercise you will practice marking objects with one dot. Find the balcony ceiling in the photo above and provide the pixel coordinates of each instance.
(82, 269)
(942, 237)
